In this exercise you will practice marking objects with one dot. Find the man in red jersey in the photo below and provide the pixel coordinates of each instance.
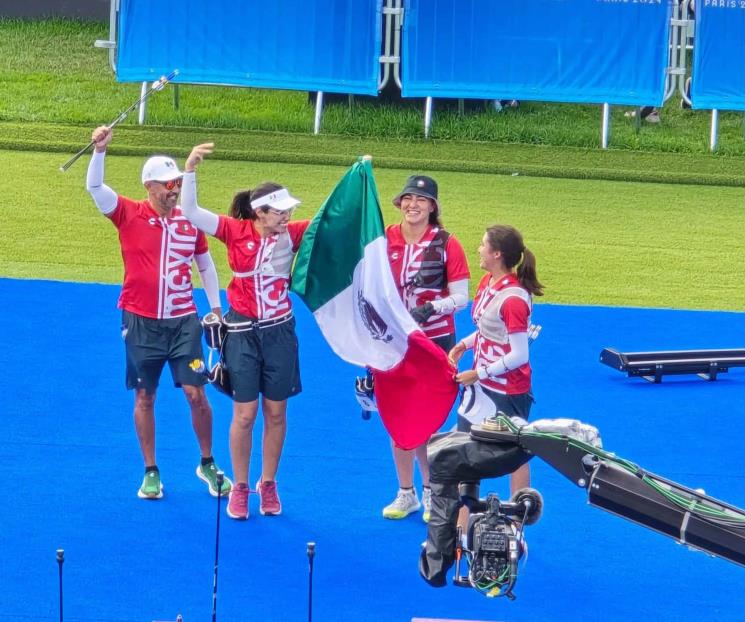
(159, 319)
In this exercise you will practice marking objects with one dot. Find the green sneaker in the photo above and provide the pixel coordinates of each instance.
(208, 473)
(151, 487)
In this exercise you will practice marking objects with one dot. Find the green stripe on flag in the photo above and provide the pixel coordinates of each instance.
(335, 241)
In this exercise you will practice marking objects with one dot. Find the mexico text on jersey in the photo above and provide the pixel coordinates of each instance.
(158, 253)
(261, 267)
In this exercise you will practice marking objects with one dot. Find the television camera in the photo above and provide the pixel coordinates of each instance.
(494, 542)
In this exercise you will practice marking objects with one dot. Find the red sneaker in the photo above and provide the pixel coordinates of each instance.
(238, 503)
(269, 503)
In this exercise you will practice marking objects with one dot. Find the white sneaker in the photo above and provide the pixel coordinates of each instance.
(404, 504)
(426, 504)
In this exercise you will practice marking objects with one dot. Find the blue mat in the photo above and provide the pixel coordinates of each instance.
(72, 468)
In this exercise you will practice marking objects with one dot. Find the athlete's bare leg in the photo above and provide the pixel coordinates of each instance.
(201, 417)
(404, 461)
(144, 415)
(241, 432)
(275, 430)
(421, 458)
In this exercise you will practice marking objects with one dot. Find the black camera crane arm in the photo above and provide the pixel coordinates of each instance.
(623, 488)
(614, 484)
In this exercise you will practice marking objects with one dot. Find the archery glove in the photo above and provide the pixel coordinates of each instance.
(422, 313)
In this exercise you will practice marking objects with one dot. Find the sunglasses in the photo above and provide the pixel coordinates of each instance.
(280, 212)
(172, 183)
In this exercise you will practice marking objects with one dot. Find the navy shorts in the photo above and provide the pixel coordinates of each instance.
(150, 343)
(446, 342)
(262, 360)
(511, 405)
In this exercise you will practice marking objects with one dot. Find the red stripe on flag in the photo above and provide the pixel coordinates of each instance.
(415, 397)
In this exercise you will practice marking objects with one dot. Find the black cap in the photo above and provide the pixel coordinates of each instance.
(422, 186)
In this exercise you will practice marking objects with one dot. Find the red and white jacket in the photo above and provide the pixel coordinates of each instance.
(499, 309)
(158, 254)
(423, 270)
(261, 266)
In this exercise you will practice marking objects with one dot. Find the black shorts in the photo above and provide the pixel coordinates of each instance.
(262, 360)
(149, 343)
(446, 342)
(511, 405)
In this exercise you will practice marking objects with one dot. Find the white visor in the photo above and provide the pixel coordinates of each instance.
(279, 199)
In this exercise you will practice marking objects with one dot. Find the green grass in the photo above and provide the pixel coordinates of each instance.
(601, 236)
(430, 156)
(50, 72)
(597, 242)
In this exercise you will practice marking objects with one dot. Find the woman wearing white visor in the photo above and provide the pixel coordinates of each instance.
(261, 347)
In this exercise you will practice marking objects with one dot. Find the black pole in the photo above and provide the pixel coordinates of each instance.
(60, 561)
(220, 481)
(311, 550)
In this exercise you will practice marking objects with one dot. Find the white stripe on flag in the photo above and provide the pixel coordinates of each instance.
(370, 330)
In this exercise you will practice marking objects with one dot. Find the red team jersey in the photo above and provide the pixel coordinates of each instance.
(261, 266)
(498, 310)
(423, 270)
(158, 254)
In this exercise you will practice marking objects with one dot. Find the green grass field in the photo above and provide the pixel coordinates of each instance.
(642, 224)
(597, 242)
(432, 156)
(50, 72)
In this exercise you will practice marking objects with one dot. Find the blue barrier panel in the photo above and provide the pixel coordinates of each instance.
(719, 55)
(593, 51)
(326, 45)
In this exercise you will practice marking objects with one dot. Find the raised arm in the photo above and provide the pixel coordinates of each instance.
(103, 196)
(201, 218)
(208, 274)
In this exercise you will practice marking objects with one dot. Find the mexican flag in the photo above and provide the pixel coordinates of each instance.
(343, 275)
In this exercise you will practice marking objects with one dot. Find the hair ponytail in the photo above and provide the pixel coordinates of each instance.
(240, 207)
(526, 274)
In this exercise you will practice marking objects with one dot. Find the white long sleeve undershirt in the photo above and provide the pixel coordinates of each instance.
(198, 216)
(103, 196)
(208, 274)
(470, 341)
(517, 356)
(456, 299)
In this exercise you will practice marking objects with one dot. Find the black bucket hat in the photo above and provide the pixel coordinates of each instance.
(422, 186)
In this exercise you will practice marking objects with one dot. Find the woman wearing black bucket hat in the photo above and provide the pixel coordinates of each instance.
(431, 273)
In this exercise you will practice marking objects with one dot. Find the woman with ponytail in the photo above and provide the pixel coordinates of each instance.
(501, 311)
(261, 348)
